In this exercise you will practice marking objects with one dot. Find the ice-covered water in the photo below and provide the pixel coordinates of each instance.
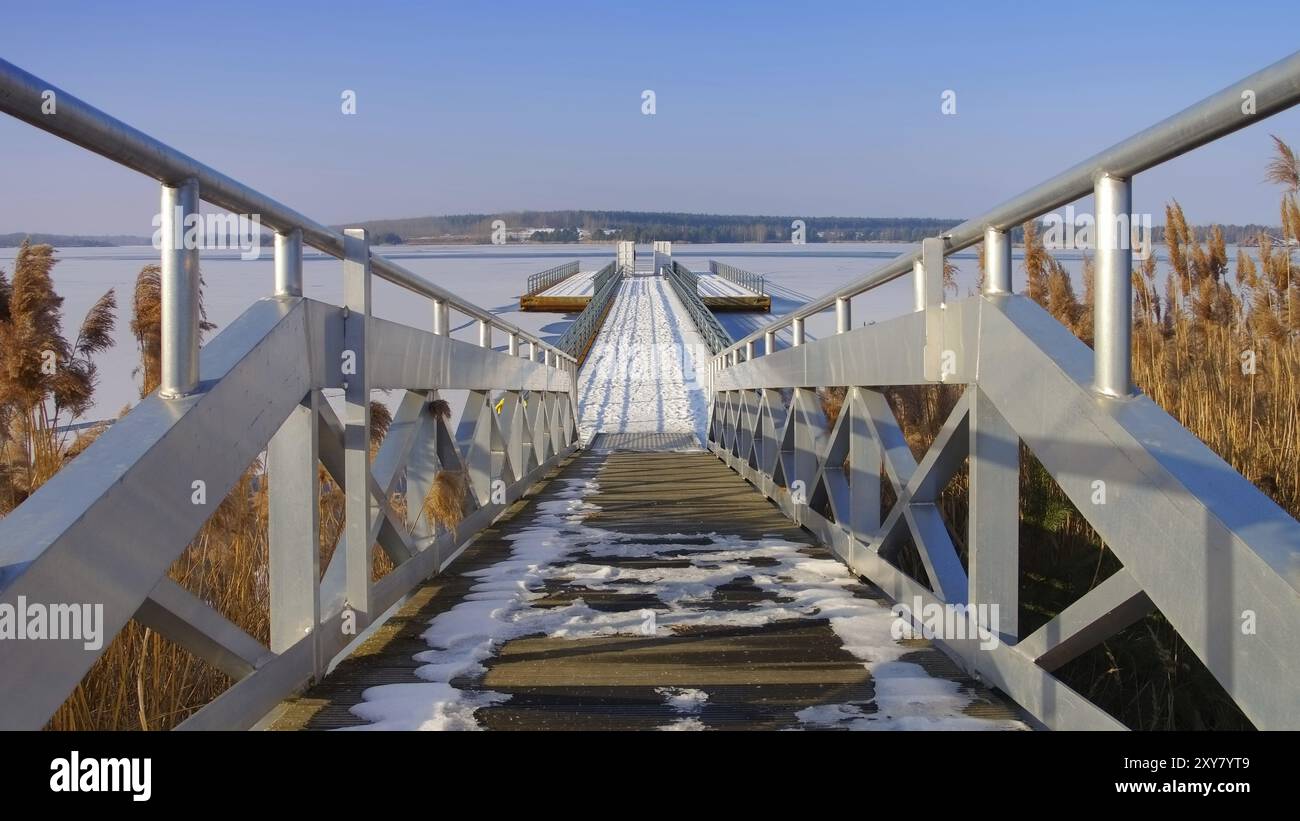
(489, 276)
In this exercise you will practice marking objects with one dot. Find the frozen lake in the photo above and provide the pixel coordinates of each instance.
(490, 276)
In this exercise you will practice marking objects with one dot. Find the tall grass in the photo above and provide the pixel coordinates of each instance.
(141, 681)
(46, 381)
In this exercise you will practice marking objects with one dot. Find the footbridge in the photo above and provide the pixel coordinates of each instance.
(661, 526)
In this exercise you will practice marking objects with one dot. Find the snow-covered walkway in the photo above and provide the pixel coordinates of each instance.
(648, 369)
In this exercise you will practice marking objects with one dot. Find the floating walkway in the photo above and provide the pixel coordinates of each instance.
(572, 295)
(721, 294)
(646, 591)
(568, 296)
(647, 371)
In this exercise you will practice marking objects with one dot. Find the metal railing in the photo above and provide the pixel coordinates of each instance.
(741, 277)
(108, 526)
(1109, 175)
(1197, 541)
(686, 284)
(687, 277)
(577, 338)
(551, 277)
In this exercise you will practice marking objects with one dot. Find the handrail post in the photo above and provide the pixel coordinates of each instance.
(796, 332)
(918, 285)
(288, 263)
(484, 333)
(843, 315)
(997, 262)
(935, 359)
(358, 504)
(441, 315)
(1113, 318)
(179, 279)
(513, 344)
(749, 350)
(769, 342)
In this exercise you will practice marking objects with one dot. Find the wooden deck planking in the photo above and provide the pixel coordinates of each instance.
(756, 677)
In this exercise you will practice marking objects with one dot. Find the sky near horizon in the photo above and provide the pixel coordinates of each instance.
(814, 109)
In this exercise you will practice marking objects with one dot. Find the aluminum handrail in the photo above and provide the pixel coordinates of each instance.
(743, 278)
(543, 280)
(686, 284)
(80, 123)
(577, 338)
(1269, 91)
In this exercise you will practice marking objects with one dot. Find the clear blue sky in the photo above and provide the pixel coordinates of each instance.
(817, 108)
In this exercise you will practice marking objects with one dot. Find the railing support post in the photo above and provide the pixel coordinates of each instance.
(1113, 312)
(918, 285)
(294, 529)
(179, 371)
(997, 262)
(843, 315)
(288, 263)
(938, 359)
(864, 469)
(441, 316)
(769, 342)
(513, 343)
(749, 350)
(484, 333)
(358, 505)
(796, 333)
(993, 525)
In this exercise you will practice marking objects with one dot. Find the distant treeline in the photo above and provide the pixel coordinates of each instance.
(72, 240)
(645, 226)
